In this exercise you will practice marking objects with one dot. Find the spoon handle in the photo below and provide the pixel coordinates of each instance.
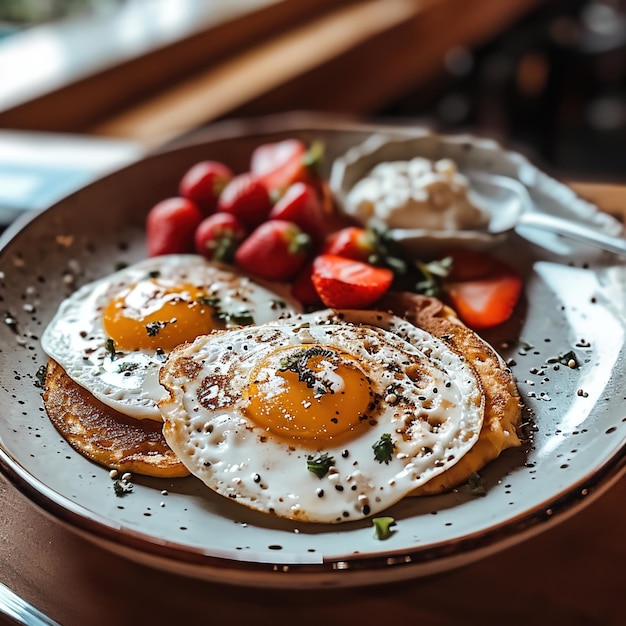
(575, 231)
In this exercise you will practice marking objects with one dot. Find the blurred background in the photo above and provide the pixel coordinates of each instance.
(547, 77)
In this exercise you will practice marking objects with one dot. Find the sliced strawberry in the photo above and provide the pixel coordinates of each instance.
(203, 184)
(303, 289)
(275, 250)
(281, 164)
(351, 242)
(485, 302)
(218, 236)
(171, 225)
(301, 205)
(346, 283)
(247, 198)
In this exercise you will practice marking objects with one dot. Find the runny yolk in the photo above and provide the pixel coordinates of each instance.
(151, 315)
(307, 393)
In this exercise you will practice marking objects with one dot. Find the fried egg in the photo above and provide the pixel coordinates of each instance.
(326, 417)
(111, 336)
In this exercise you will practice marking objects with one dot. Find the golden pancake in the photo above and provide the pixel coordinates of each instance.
(502, 403)
(104, 435)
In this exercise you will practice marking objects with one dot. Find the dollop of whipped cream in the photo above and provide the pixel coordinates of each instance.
(420, 193)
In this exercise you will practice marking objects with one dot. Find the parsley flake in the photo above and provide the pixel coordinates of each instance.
(154, 328)
(382, 527)
(40, 376)
(476, 485)
(109, 346)
(320, 465)
(122, 488)
(383, 449)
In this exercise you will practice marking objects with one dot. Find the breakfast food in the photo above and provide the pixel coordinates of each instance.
(501, 425)
(324, 417)
(418, 193)
(182, 364)
(104, 435)
(111, 336)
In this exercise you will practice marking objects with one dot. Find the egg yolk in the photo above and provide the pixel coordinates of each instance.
(307, 393)
(151, 315)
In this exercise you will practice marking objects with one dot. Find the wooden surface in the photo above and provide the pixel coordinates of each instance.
(354, 56)
(571, 574)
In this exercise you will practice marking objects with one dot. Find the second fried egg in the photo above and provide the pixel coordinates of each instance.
(327, 417)
(111, 336)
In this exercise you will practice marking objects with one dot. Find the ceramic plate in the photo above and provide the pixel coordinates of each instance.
(574, 305)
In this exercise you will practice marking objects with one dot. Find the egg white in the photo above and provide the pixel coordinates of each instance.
(433, 419)
(128, 380)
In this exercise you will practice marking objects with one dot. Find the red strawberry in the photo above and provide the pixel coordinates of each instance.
(487, 301)
(481, 288)
(170, 226)
(303, 289)
(351, 242)
(275, 250)
(346, 283)
(204, 182)
(279, 165)
(469, 264)
(301, 205)
(218, 236)
(246, 197)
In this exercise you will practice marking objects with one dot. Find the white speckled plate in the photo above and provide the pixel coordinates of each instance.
(574, 300)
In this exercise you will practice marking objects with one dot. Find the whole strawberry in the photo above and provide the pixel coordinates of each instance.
(171, 226)
(203, 184)
(275, 250)
(218, 236)
(247, 198)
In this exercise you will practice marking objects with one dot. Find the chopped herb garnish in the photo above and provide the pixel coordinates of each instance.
(127, 367)
(40, 376)
(154, 274)
(383, 448)
(433, 275)
(569, 359)
(122, 488)
(241, 318)
(320, 465)
(382, 527)
(476, 485)
(278, 304)
(297, 363)
(154, 328)
(109, 346)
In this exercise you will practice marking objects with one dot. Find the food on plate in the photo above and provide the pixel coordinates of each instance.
(218, 236)
(482, 290)
(325, 417)
(418, 193)
(203, 184)
(111, 336)
(501, 425)
(275, 250)
(280, 164)
(342, 282)
(247, 198)
(104, 435)
(171, 225)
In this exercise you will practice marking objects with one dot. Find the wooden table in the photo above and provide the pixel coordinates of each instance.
(571, 574)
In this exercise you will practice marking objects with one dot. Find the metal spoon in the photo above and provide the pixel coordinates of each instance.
(508, 202)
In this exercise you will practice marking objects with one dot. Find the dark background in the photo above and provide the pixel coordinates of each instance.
(552, 86)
